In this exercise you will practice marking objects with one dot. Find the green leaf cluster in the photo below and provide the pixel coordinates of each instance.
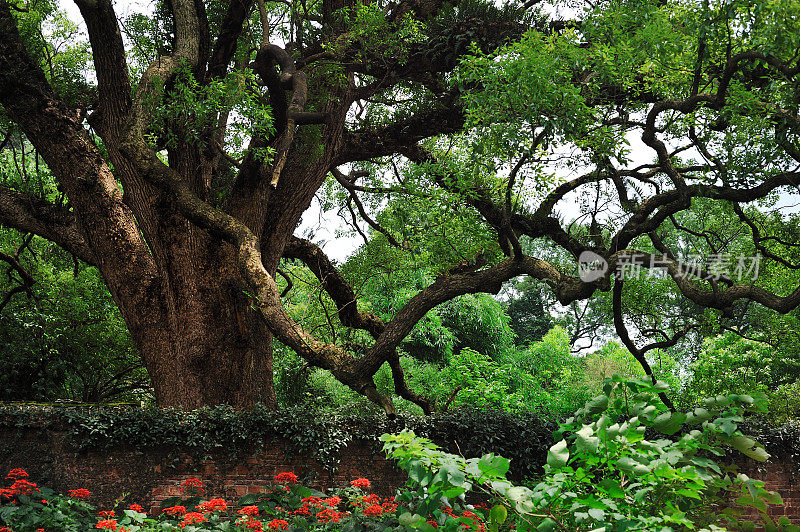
(607, 471)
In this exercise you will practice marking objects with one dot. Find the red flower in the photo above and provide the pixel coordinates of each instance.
(106, 514)
(286, 478)
(249, 510)
(372, 499)
(476, 522)
(22, 487)
(373, 511)
(174, 510)
(278, 524)
(254, 524)
(328, 515)
(136, 508)
(5, 529)
(80, 493)
(192, 518)
(389, 507)
(434, 524)
(213, 505)
(16, 473)
(361, 483)
(108, 524)
(333, 502)
(192, 485)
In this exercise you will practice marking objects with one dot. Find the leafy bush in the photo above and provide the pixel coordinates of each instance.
(730, 364)
(605, 472)
(25, 506)
(63, 338)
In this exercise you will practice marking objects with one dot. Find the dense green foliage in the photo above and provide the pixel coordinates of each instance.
(66, 340)
(606, 471)
(63, 336)
(520, 351)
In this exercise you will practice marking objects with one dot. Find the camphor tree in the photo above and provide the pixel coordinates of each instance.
(184, 162)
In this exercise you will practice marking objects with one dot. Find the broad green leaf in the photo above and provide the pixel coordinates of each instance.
(597, 513)
(586, 441)
(409, 519)
(597, 404)
(613, 488)
(498, 514)
(669, 422)
(547, 525)
(755, 502)
(493, 465)
(688, 493)
(558, 455)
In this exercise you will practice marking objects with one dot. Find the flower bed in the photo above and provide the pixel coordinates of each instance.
(285, 504)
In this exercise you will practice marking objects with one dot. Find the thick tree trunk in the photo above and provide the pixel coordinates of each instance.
(212, 349)
(224, 367)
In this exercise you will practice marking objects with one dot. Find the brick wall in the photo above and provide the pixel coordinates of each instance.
(152, 476)
(780, 475)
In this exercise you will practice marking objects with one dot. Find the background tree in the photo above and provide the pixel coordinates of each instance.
(526, 308)
(184, 171)
(63, 337)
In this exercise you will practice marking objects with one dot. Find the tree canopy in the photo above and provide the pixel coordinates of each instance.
(177, 151)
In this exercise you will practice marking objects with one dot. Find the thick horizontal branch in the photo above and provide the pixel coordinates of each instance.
(364, 144)
(718, 298)
(334, 283)
(445, 288)
(669, 202)
(54, 223)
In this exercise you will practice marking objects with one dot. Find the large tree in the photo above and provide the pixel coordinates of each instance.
(487, 116)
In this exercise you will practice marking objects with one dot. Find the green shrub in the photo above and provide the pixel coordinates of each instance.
(606, 473)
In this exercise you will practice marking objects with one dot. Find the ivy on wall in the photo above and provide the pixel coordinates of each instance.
(524, 439)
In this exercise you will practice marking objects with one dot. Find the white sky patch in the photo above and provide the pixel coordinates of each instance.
(122, 8)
